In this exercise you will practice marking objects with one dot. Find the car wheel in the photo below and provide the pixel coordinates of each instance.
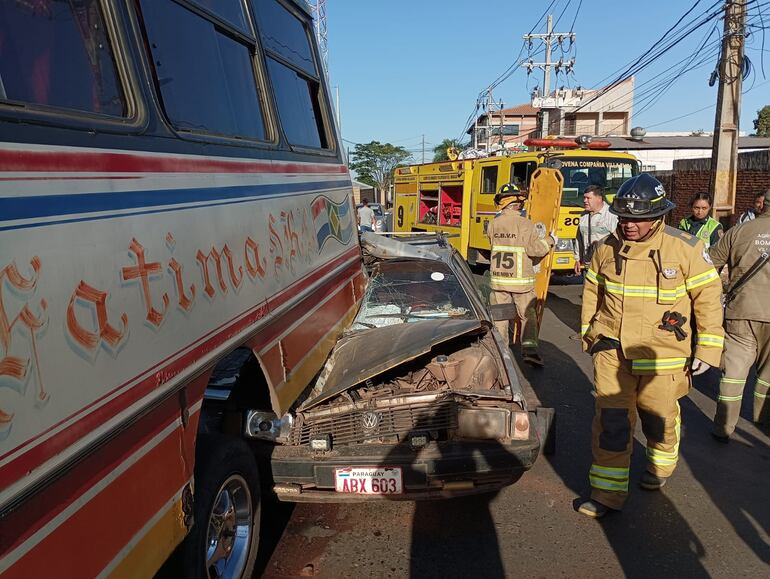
(224, 538)
(546, 429)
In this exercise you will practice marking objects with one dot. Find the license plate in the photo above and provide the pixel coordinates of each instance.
(562, 260)
(368, 480)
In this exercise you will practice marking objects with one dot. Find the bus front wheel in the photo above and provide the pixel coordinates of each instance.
(224, 538)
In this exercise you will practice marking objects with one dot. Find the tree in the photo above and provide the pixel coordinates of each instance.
(374, 163)
(439, 151)
(762, 122)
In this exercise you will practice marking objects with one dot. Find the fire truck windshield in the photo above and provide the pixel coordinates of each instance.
(579, 173)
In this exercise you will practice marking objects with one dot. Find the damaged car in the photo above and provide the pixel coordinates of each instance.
(420, 397)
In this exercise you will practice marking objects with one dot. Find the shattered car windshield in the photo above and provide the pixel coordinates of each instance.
(403, 291)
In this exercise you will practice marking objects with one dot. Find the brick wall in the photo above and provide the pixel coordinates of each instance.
(691, 176)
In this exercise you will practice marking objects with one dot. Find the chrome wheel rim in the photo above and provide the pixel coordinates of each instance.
(229, 530)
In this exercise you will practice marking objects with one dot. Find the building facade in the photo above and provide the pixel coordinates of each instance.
(568, 112)
(507, 128)
(572, 112)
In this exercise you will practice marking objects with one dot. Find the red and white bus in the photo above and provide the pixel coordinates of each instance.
(175, 217)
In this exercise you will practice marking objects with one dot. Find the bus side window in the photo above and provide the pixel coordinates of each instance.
(293, 73)
(489, 180)
(521, 172)
(59, 54)
(205, 76)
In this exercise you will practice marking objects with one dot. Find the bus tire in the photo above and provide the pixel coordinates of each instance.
(224, 538)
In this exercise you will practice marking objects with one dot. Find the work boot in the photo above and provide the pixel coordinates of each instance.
(652, 482)
(593, 509)
(723, 438)
(532, 357)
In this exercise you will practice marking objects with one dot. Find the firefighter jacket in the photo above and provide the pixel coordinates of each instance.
(739, 249)
(631, 285)
(515, 241)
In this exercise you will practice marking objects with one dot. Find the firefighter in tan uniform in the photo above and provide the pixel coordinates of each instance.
(515, 242)
(744, 249)
(647, 282)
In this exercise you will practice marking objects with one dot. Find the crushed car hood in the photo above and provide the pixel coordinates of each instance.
(383, 247)
(367, 353)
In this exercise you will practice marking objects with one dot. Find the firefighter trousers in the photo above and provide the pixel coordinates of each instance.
(620, 397)
(526, 314)
(746, 343)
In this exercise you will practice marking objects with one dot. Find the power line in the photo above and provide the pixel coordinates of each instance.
(506, 73)
(558, 19)
(653, 95)
(623, 71)
(659, 48)
(572, 26)
(711, 106)
(660, 85)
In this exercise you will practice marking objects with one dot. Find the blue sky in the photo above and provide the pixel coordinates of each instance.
(408, 68)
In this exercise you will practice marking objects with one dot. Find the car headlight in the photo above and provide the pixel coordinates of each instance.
(267, 426)
(484, 423)
(565, 245)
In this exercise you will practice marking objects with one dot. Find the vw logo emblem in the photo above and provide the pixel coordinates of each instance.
(370, 420)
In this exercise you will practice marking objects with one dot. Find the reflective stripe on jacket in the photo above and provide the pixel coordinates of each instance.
(515, 243)
(631, 285)
(706, 231)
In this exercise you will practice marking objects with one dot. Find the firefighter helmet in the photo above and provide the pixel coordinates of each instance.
(641, 197)
(511, 193)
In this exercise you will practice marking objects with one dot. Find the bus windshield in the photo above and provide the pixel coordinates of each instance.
(579, 173)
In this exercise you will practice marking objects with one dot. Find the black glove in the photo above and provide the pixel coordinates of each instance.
(674, 322)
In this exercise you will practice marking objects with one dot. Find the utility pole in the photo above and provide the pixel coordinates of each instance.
(423, 149)
(488, 107)
(548, 40)
(547, 74)
(502, 138)
(724, 156)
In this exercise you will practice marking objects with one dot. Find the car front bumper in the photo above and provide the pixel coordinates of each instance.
(438, 470)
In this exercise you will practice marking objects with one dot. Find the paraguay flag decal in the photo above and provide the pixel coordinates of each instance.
(332, 220)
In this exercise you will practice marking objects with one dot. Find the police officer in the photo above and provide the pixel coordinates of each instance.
(747, 321)
(644, 285)
(515, 242)
(700, 223)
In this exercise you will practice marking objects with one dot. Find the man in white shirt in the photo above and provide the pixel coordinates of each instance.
(756, 209)
(596, 223)
(365, 216)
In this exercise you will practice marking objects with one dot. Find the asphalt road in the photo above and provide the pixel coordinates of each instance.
(711, 520)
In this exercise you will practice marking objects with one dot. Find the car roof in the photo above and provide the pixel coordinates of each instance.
(416, 246)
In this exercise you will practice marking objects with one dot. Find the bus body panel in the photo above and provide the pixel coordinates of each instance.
(119, 285)
(119, 511)
(133, 257)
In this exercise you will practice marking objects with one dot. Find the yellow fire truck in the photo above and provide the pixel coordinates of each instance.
(457, 196)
